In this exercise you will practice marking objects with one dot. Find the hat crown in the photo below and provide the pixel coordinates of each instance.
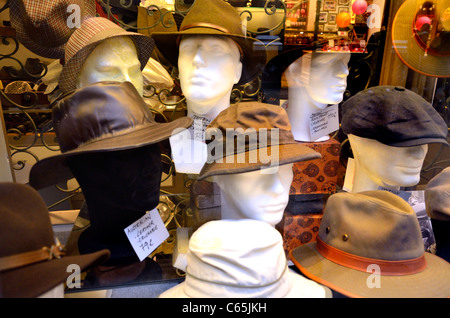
(373, 224)
(25, 224)
(247, 253)
(99, 111)
(394, 116)
(216, 14)
(437, 196)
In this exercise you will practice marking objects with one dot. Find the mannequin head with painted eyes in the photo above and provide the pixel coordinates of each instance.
(315, 80)
(208, 67)
(115, 59)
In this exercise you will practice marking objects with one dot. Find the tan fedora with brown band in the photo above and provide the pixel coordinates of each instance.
(370, 245)
(84, 40)
(42, 26)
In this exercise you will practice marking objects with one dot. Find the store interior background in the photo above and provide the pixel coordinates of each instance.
(379, 66)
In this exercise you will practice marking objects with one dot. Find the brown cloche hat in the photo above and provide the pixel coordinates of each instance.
(104, 116)
(217, 18)
(41, 25)
(84, 40)
(31, 263)
(372, 235)
(241, 119)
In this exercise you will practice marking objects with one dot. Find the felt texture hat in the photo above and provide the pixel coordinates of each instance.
(84, 40)
(241, 259)
(105, 116)
(421, 36)
(42, 25)
(394, 116)
(215, 18)
(264, 129)
(437, 196)
(370, 245)
(31, 263)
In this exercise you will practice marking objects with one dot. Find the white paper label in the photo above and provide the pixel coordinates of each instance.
(324, 122)
(147, 233)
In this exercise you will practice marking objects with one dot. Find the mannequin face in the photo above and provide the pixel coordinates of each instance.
(208, 66)
(126, 179)
(386, 165)
(256, 195)
(327, 78)
(115, 59)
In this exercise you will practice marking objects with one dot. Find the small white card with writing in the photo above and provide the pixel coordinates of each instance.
(147, 233)
(324, 122)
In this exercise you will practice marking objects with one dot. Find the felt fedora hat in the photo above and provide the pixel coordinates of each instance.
(84, 40)
(42, 26)
(105, 116)
(370, 244)
(394, 116)
(421, 36)
(31, 262)
(251, 130)
(241, 259)
(215, 18)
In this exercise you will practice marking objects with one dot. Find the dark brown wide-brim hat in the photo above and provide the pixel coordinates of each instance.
(254, 123)
(101, 117)
(426, 51)
(370, 245)
(84, 40)
(215, 18)
(31, 263)
(41, 25)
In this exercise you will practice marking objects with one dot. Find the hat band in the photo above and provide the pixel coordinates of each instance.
(28, 258)
(387, 268)
(205, 25)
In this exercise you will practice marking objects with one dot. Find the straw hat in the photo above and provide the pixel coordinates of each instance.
(370, 245)
(41, 25)
(31, 263)
(84, 40)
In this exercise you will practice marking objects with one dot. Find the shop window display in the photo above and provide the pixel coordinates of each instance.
(342, 50)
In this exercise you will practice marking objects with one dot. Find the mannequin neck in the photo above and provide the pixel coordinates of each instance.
(300, 108)
(209, 110)
(363, 181)
(229, 210)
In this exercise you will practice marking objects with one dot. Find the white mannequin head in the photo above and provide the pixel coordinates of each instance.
(208, 67)
(323, 75)
(380, 165)
(259, 195)
(315, 80)
(115, 59)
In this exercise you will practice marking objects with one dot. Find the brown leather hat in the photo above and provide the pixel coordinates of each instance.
(104, 116)
(31, 263)
(265, 131)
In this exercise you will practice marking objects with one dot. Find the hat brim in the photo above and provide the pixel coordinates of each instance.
(254, 51)
(53, 170)
(56, 52)
(23, 282)
(301, 287)
(433, 282)
(409, 51)
(69, 74)
(288, 153)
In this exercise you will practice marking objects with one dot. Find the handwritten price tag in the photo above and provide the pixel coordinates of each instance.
(324, 122)
(146, 234)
